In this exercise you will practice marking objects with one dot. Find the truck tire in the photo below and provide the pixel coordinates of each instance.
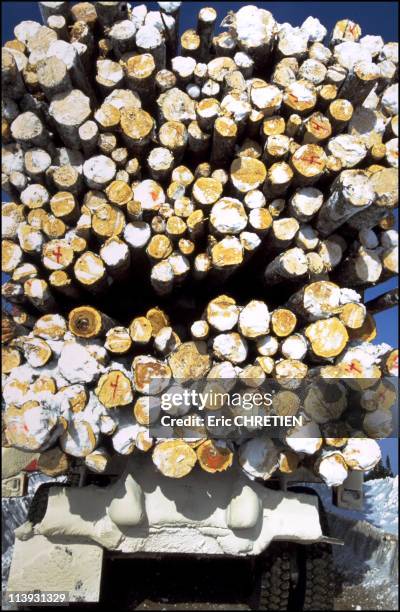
(319, 581)
(316, 584)
(274, 579)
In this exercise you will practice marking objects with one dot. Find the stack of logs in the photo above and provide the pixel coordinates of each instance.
(129, 149)
(70, 384)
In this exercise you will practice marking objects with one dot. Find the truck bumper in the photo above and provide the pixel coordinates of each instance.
(203, 514)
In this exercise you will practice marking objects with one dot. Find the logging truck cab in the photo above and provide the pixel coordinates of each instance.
(134, 511)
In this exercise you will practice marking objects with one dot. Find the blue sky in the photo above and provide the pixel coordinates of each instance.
(373, 17)
(379, 18)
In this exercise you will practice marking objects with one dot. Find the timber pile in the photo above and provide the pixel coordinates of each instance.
(182, 162)
(91, 388)
(122, 155)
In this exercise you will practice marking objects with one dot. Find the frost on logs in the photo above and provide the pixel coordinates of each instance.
(145, 160)
(73, 383)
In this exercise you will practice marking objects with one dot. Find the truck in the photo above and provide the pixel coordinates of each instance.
(133, 511)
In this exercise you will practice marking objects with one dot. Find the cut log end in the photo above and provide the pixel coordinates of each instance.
(174, 458)
(214, 457)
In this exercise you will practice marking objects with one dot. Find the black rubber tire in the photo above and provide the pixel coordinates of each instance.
(316, 585)
(275, 583)
(319, 579)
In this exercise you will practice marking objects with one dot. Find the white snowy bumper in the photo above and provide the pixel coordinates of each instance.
(202, 514)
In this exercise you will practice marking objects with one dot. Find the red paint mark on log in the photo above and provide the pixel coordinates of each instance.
(354, 368)
(313, 159)
(57, 253)
(352, 28)
(32, 466)
(114, 385)
(318, 127)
